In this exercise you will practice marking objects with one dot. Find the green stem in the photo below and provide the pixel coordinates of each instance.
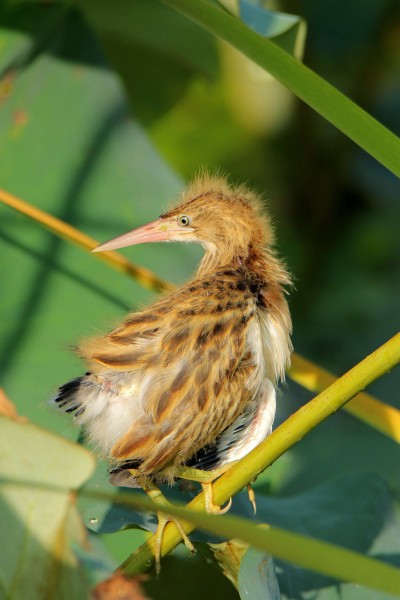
(309, 553)
(284, 437)
(339, 110)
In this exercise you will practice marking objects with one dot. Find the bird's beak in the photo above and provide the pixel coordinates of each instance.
(160, 230)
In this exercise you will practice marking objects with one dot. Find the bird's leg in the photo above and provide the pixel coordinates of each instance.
(209, 500)
(206, 479)
(155, 494)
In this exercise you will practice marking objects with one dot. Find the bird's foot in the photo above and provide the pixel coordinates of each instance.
(197, 475)
(158, 497)
(206, 478)
(163, 521)
(212, 508)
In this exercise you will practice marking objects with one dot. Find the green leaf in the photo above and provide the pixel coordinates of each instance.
(39, 523)
(102, 515)
(155, 50)
(322, 557)
(322, 512)
(54, 100)
(154, 27)
(307, 85)
(285, 30)
(95, 561)
(257, 579)
(94, 167)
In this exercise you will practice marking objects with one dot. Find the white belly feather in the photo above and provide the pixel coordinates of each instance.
(111, 404)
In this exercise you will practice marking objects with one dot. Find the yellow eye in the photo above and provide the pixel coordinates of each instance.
(184, 221)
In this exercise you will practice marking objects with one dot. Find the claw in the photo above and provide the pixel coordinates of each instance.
(222, 511)
(212, 508)
(163, 520)
(252, 497)
(156, 495)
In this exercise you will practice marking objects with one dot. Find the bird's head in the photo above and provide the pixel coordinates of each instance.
(227, 221)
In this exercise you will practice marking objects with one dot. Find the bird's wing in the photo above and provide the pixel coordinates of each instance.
(197, 356)
(248, 430)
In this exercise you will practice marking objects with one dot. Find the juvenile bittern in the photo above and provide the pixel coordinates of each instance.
(190, 381)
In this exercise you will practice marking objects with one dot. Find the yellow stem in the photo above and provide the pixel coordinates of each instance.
(284, 437)
(71, 234)
(377, 414)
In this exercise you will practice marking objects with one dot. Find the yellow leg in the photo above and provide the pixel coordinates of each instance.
(158, 497)
(198, 475)
(212, 508)
(205, 478)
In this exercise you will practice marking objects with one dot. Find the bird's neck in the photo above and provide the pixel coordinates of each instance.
(259, 263)
(267, 279)
(213, 260)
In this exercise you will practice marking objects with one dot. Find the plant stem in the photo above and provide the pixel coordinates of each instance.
(370, 410)
(67, 232)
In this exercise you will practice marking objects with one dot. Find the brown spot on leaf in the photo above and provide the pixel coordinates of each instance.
(20, 117)
(6, 86)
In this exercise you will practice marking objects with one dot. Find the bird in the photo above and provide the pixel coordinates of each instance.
(188, 384)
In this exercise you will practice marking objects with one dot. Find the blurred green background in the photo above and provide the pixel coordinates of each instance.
(106, 110)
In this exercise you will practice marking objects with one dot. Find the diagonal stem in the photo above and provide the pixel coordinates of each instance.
(383, 417)
(67, 232)
(375, 365)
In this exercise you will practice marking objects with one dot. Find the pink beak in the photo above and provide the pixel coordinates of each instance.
(160, 230)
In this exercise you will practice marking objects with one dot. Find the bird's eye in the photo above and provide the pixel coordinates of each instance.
(184, 221)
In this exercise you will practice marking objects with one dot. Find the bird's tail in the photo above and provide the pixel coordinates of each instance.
(67, 397)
